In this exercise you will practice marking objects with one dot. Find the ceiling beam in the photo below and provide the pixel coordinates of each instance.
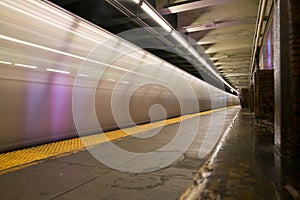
(238, 80)
(245, 78)
(214, 39)
(236, 75)
(214, 25)
(241, 85)
(237, 63)
(233, 71)
(237, 67)
(234, 68)
(191, 6)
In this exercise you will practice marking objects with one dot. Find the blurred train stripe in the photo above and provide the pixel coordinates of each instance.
(15, 160)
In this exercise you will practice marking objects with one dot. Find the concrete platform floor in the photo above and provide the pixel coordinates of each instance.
(247, 166)
(80, 176)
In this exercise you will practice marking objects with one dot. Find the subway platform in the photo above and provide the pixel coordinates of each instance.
(247, 165)
(242, 164)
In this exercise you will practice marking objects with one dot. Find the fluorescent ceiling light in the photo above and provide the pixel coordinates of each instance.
(180, 39)
(136, 1)
(156, 17)
(193, 52)
(58, 71)
(203, 61)
(27, 66)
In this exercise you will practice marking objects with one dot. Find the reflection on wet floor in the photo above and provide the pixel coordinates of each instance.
(247, 166)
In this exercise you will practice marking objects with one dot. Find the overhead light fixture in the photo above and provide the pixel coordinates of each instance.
(203, 61)
(150, 11)
(57, 71)
(182, 41)
(194, 52)
(27, 66)
(155, 16)
(162, 23)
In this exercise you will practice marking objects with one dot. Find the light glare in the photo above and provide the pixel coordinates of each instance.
(27, 66)
(194, 52)
(180, 39)
(84, 75)
(156, 17)
(57, 71)
(5, 62)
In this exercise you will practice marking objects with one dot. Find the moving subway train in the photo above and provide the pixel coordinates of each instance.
(53, 63)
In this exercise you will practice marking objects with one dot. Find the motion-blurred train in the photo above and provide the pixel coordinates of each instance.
(48, 55)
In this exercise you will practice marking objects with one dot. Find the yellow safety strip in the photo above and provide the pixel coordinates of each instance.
(14, 160)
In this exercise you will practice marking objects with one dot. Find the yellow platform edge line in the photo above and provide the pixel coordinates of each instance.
(15, 159)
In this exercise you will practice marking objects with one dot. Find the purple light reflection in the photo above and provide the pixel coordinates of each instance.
(48, 106)
(37, 106)
(269, 51)
(60, 98)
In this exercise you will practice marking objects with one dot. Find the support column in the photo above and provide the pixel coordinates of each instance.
(251, 97)
(264, 94)
(287, 75)
(245, 97)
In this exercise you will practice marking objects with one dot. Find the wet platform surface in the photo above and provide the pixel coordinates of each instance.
(80, 176)
(247, 166)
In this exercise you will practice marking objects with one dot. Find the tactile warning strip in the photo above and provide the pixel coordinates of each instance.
(11, 160)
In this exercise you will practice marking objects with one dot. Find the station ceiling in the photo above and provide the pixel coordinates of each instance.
(223, 28)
